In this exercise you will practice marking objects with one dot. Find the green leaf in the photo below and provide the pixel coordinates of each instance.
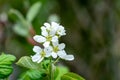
(21, 30)
(56, 73)
(6, 68)
(5, 71)
(33, 11)
(28, 63)
(20, 18)
(18, 15)
(33, 75)
(45, 64)
(71, 76)
(60, 71)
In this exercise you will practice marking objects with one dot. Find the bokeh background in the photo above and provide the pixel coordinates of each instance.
(92, 27)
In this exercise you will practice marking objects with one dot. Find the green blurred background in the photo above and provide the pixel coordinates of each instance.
(92, 27)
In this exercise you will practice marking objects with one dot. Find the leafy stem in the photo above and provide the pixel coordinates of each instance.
(51, 70)
(56, 60)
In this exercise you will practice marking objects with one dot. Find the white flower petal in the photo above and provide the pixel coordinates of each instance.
(37, 49)
(61, 46)
(54, 39)
(43, 28)
(44, 31)
(39, 39)
(52, 32)
(54, 24)
(48, 55)
(55, 44)
(36, 57)
(61, 31)
(40, 59)
(47, 25)
(61, 54)
(48, 49)
(46, 44)
(54, 55)
(69, 57)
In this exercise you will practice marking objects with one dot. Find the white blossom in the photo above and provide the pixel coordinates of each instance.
(50, 33)
(57, 48)
(55, 29)
(61, 31)
(58, 51)
(41, 53)
(45, 39)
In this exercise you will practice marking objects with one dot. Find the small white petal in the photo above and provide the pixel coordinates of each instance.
(37, 49)
(54, 55)
(39, 39)
(43, 28)
(52, 32)
(54, 24)
(47, 24)
(69, 57)
(44, 31)
(46, 44)
(36, 57)
(61, 54)
(61, 46)
(48, 49)
(55, 43)
(61, 31)
(48, 55)
(40, 59)
(54, 39)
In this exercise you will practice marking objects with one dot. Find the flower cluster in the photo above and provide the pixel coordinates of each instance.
(50, 33)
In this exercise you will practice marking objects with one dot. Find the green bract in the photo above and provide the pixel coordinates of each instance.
(6, 65)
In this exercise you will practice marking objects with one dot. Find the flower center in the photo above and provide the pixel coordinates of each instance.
(55, 49)
(42, 53)
(49, 38)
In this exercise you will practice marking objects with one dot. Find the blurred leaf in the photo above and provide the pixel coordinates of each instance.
(20, 30)
(5, 65)
(60, 71)
(71, 76)
(33, 11)
(28, 63)
(56, 73)
(5, 71)
(20, 18)
(33, 75)
(18, 15)
(6, 59)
